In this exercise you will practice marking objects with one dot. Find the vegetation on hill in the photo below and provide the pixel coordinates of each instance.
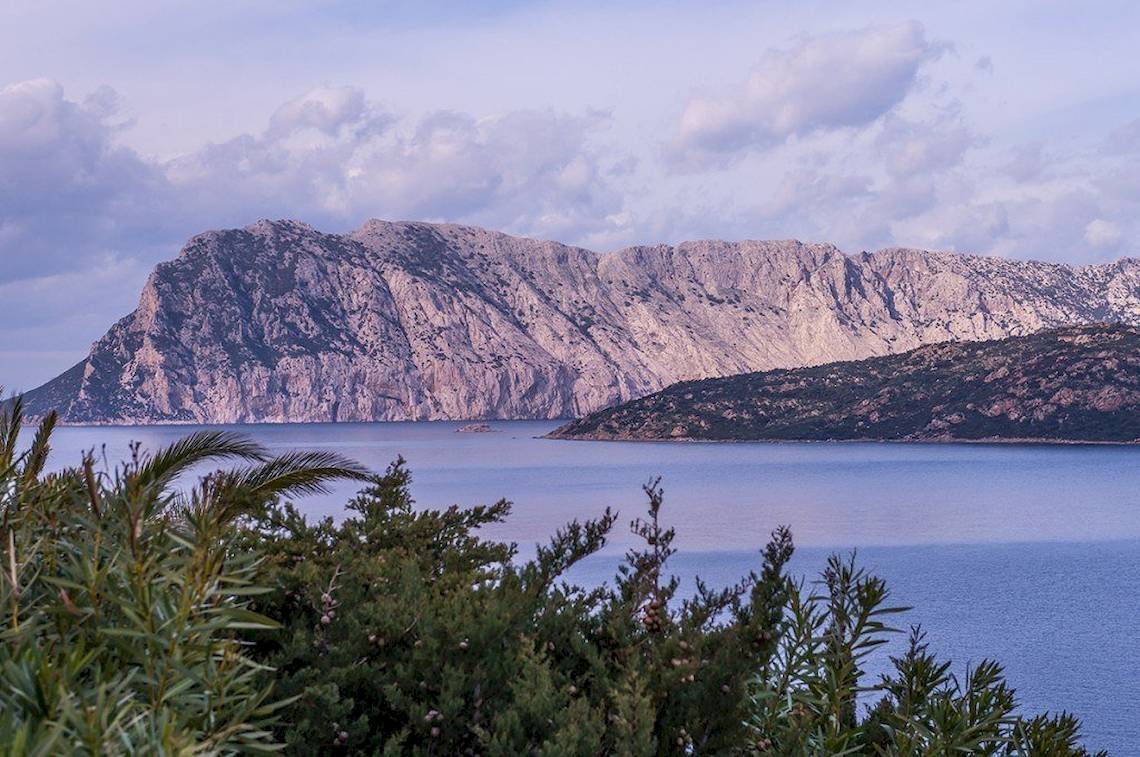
(140, 617)
(1079, 383)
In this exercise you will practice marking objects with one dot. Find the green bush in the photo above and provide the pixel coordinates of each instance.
(140, 617)
(124, 602)
(806, 699)
(406, 633)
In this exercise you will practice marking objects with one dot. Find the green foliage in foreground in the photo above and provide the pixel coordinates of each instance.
(124, 603)
(137, 619)
(409, 634)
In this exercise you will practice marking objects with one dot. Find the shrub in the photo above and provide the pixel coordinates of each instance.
(124, 600)
(407, 633)
(140, 618)
(806, 699)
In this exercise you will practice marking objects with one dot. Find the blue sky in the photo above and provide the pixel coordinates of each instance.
(1006, 128)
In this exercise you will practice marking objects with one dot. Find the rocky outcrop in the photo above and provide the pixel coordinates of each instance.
(1078, 383)
(397, 321)
(475, 428)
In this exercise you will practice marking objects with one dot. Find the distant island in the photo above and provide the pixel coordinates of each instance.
(475, 428)
(1072, 384)
(278, 322)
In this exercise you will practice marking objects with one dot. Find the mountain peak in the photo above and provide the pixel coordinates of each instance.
(278, 224)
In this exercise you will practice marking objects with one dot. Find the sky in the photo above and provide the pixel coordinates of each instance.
(999, 128)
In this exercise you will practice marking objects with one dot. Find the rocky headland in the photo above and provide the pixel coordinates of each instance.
(280, 322)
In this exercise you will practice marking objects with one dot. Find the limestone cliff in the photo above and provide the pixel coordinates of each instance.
(280, 322)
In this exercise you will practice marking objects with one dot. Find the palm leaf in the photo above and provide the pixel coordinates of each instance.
(199, 447)
(296, 473)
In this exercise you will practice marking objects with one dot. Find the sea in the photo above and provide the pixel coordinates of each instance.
(1027, 554)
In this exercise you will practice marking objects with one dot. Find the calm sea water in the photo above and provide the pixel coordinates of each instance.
(1027, 554)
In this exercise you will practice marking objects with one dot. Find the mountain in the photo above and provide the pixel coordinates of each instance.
(1079, 383)
(394, 321)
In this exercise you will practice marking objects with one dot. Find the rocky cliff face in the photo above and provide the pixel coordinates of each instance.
(279, 322)
(1076, 383)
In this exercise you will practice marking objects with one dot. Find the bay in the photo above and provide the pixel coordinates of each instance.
(1029, 554)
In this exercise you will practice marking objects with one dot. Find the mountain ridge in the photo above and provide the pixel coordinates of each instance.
(279, 322)
(1076, 384)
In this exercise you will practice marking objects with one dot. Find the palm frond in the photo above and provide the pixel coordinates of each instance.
(199, 447)
(297, 473)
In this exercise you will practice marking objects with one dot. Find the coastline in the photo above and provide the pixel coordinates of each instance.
(1029, 441)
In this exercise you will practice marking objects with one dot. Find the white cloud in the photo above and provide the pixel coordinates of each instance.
(804, 194)
(526, 171)
(831, 81)
(1103, 235)
(71, 195)
(966, 227)
(326, 109)
(865, 138)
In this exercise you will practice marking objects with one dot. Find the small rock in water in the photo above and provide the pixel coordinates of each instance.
(475, 428)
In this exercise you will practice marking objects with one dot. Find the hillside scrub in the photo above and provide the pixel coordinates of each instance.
(143, 617)
(1067, 384)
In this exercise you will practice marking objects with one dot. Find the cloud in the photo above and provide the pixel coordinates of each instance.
(1026, 162)
(529, 171)
(1103, 235)
(827, 82)
(67, 189)
(936, 185)
(327, 110)
(71, 196)
(913, 149)
(1125, 139)
(805, 196)
(965, 227)
(334, 158)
